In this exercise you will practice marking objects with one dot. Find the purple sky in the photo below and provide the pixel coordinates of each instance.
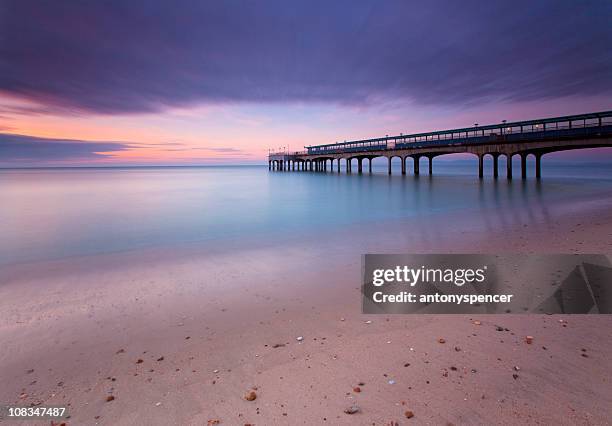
(329, 70)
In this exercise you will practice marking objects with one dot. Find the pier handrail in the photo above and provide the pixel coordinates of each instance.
(594, 119)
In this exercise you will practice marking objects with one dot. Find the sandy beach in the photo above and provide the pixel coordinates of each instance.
(181, 338)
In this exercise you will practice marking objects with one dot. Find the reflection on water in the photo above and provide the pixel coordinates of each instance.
(51, 213)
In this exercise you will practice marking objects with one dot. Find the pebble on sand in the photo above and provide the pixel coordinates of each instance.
(139, 361)
(250, 396)
(299, 339)
(110, 398)
(409, 414)
(353, 409)
(356, 389)
(213, 422)
(441, 340)
(529, 340)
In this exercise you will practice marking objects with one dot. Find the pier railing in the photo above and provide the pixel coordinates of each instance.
(557, 127)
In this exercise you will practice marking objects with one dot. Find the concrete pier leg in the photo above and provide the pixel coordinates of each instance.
(338, 165)
(370, 165)
(403, 165)
(269, 165)
(538, 166)
(417, 160)
(495, 166)
(293, 166)
(524, 166)
(359, 165)
(348, 165)
(331, 165)
(430, 165)
(324, 165)
(509, 166)
(389, 165)
(481, 166)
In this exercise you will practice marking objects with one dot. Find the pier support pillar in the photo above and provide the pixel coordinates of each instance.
(430, 165)
(348, 165)
(524, 166)
(389, 165)
(324, 165)
(417, 160)
(269, 165)
(370, 165)
(509, 166)
(293, 165)
(495, 166)
(538, 166)
(338, 165)
(481, 166)
(359, 165)
(403, 165)
(331, 165)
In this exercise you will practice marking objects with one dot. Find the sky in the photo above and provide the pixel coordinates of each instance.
(197, 82)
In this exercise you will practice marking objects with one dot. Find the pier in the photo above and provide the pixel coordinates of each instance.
(522, 138)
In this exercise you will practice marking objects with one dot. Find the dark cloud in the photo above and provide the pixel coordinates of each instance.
(21, 149)
(133, 56)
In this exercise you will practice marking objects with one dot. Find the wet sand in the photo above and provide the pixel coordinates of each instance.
(211, 326)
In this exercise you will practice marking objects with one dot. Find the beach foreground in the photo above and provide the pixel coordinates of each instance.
(183, 337)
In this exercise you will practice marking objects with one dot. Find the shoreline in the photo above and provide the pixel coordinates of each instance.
(69, 326)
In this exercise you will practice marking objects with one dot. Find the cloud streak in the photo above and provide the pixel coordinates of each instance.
(25, 149)
(119, 57)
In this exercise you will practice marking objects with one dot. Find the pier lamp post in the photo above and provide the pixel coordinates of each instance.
(504, 125)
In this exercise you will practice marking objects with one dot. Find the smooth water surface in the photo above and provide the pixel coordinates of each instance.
(55, 213)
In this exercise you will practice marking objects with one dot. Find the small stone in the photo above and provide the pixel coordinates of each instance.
(515, 376)
(368, 322)
(441, 340)
(352, 409)
(215, 371)
(391, 382)
(477, 322)
(120, 351)
(529, 340)
(517, 368)
(110, 398)
(213, 422)
(30, 371)
(457, 349)
(356, 389)
(299, 339)
(409, 414)
(250, 396)
(280, 345)
(161, 358)
(139, 361)
(157, 404)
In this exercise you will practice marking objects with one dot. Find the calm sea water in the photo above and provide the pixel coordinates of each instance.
(55, 213)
